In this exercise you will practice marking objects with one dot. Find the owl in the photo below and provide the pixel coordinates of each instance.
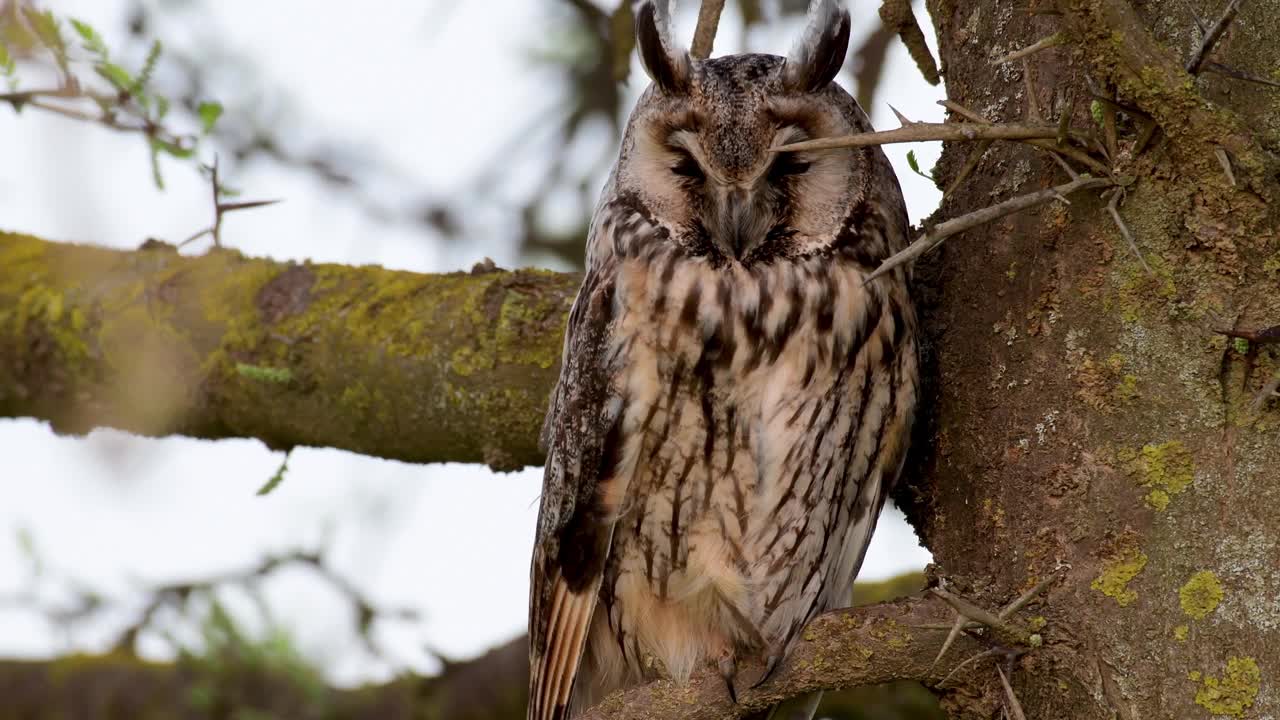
(735, 401)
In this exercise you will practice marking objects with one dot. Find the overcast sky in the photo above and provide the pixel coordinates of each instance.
(436, 88)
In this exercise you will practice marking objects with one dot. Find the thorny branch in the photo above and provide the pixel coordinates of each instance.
(925, 132)
(968, 221)
(221, 208)
(1213, 35)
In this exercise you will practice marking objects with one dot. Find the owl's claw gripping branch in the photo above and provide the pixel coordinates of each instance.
(839, 649)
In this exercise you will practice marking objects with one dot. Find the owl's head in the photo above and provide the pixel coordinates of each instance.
(696, 154)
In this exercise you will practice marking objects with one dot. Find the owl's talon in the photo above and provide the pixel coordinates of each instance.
(728, 669)
(770, 665)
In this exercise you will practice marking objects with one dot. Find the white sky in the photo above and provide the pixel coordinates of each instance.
(436, 88)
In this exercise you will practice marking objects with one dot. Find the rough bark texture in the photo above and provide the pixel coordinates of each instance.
(420, 368)
(1087, 414)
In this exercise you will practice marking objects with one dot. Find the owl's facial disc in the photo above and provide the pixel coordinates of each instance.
(744, 206)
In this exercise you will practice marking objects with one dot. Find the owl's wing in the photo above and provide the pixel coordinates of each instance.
(576, 517)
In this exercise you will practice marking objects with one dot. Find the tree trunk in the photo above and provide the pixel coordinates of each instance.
(1087, 414)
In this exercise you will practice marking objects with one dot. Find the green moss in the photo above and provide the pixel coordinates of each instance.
(1116, 575)
(1200, 595)
(264, 374)
(1235, 691)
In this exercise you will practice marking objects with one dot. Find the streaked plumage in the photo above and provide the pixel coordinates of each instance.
(734, 403)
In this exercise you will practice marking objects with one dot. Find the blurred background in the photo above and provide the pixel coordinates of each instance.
(423, 136)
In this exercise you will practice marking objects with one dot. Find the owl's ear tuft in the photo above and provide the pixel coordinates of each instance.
(669, 69)
(818, 54)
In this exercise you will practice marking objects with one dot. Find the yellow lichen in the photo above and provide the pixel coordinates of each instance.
(1235, 692)
(1180, 633)
(1167, 468)
(1116, 574)
(1201, 595)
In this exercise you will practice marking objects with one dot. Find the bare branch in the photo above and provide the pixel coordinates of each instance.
(968, 221)
(704, 36)
(924, 132)
(1211, 38)
(898, 15)
(1113, 208)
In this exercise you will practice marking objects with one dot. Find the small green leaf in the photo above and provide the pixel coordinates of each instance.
(49, 32)
(116, 75)
(915, 165)
(209, 113)
(264, 374)
(274, 481)
(155, 166)
(172, 148)
(1095, 111)
(92, 41)
(162, 107)
(148, 69)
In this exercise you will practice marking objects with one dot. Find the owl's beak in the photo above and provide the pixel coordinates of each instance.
(738, 222)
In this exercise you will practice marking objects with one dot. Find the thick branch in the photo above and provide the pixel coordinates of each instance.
(842, 649)
(420, 368)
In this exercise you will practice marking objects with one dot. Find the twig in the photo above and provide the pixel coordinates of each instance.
(1043, 143)
(970, 164)
(973, 612)
(1260, 337)
(984, 654)
(1225, 161)
(1211, 38)
(1026, 597)
(220, 208)
(1015, 707)
(923, 132)
(1268, 391)
(704, 36)
(1113, 207)
(944, 230)
(1221, 69)
(956, 628)
(1043, 44)
(897, 14)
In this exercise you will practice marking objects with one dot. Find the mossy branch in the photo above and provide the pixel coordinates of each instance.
(841, 649)
(420, 368)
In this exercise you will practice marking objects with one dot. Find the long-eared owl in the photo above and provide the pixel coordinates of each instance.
(735, 402)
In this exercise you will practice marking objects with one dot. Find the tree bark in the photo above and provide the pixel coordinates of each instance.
(420, 368)
(1087, 416)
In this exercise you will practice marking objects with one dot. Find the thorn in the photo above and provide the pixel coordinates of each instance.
(1042, 44)
(1113, 208)
(954, 633)
(1212, 36)
(247, 205)
(901, 118)
(1027, 596)
(1015, 707)
(1225, 162)
(984, 654)
(1221, 69)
